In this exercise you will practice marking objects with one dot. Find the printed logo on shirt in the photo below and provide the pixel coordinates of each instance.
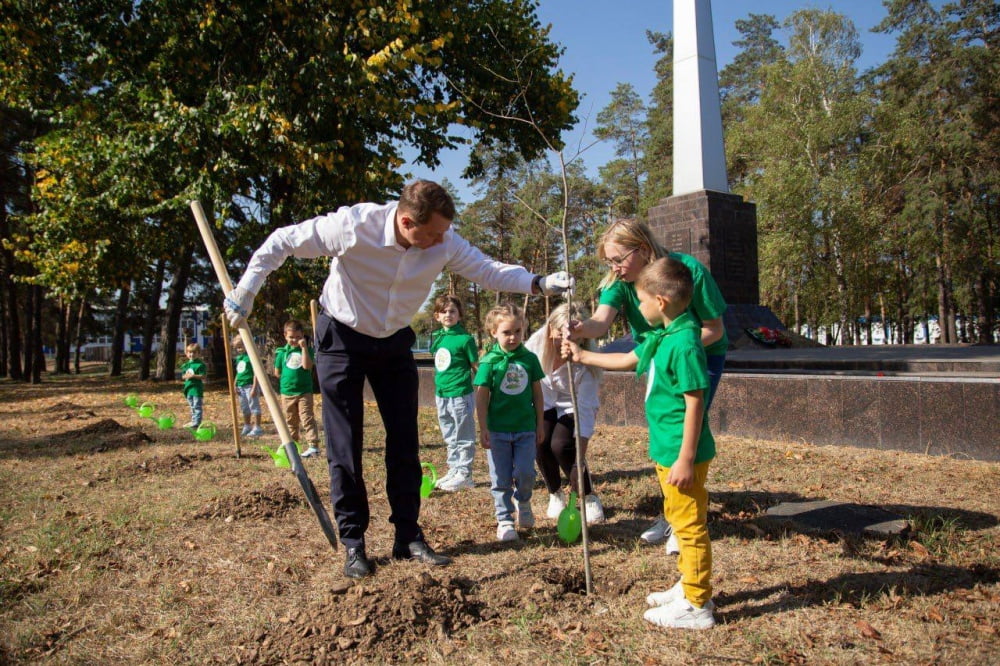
(650, 375)
(293, 361)
(442, 359)
(515, 381)
(241, 367)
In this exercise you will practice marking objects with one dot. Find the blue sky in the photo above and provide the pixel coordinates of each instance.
(605, 44)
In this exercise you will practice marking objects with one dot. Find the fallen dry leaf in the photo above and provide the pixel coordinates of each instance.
(867, 630)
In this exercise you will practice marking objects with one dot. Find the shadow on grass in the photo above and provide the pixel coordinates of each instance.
(856, 589)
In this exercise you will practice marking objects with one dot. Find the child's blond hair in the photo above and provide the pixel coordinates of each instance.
(558, 319)
(502, 313)
(192, 347)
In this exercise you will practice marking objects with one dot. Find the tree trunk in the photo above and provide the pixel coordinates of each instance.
(12, 323)
(944, 303)
(62, 338)
(121, 323)
(4, 359)
(79, 333)
(149, 320)
(34, 343)
(984, 310)
(166, 356)
(29, 333)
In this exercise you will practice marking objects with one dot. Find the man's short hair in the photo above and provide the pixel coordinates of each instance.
(422, 198)
(669, 278)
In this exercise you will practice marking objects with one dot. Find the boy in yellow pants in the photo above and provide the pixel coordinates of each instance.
(680, 442)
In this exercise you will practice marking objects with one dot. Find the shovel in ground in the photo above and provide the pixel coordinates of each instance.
(291, 451)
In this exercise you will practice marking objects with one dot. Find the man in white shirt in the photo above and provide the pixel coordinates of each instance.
(384, 260)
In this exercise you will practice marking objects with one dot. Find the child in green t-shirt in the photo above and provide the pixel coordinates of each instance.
(509, 406)
(293, 365)
(247, 390)
(455, 359)
(193, 373)
(680, 442)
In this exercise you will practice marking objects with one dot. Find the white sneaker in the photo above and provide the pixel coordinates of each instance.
(593, 509)
(190, 424)
(525, 516)
(455, 483)
(310, 452)
(672, 547)
(557, 502)
(655, 599)
(657, 532)
(256, 431)
(246, 430)
(442, 480)
(681, 614)
(506, 532)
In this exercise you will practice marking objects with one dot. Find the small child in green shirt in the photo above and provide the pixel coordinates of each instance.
(193, 373)
(293, 365)
(247, 390)
(455, 360)
(509, 406)
(680, 442)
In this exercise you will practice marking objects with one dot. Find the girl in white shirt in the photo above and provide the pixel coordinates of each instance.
(558, 451)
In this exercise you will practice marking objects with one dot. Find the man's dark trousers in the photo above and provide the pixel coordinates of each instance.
(344, 359)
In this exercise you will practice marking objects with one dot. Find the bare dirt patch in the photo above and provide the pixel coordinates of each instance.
(106, 434)
(274, 501)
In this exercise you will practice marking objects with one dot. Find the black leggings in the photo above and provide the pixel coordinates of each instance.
(558, 452)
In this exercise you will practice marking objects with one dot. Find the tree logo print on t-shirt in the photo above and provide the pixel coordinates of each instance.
(515, 380)
(241, 367)
(442, 359)
(293, 361)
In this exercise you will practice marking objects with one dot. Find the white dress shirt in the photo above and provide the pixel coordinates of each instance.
(555, 385)
(376, 285)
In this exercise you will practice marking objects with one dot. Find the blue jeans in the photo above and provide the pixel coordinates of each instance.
(512, 470)
(716, 365)
(459, 431)
(195, 402)
(249, 403)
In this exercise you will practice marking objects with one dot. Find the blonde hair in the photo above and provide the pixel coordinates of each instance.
(632, 234)
(192, 347)
(558, 319)
(502, 312)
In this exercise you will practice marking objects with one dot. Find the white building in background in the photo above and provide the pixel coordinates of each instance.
(195, 324)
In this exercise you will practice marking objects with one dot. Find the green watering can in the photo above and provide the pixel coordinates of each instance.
(428, 481)
(146, 410)
(205, 431)
(131, 400)
(569, 526)
(165, 421)
(280, 456)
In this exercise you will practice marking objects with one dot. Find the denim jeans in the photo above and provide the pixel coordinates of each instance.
(512, 470)
(458, 427)
(249, 402)
(195, 401)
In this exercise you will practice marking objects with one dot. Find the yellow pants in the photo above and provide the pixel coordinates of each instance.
(299, 413)
(686, 509)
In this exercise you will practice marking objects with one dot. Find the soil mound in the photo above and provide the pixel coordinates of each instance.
(369, 624)
(274, 501)
(175, 463)
(110, 433)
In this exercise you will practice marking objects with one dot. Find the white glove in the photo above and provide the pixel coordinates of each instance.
(238, 305)
(555, 284)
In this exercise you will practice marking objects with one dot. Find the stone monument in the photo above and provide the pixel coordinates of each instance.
(703, 218)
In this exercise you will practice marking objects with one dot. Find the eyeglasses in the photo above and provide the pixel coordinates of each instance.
(618, 261)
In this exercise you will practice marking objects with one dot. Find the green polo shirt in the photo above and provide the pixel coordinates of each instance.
(675, 361)
(244, 370)
(295, 380)
(454, 355)
(706, 303)
(510, 376)
(194, 387)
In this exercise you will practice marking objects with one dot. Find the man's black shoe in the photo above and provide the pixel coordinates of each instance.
(419, 551)
(357, 565)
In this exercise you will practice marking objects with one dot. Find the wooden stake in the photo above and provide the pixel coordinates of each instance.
(232, 384)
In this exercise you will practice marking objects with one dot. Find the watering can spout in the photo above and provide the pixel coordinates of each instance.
(279, 456)
(428, 481)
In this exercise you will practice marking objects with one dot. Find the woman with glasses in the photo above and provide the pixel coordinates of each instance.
(626, 248)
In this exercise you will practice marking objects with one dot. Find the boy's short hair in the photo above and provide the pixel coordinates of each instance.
(293, 325)
(442, 302)
(237, 340)
(423, 198)
(669, 278)
(501, 312)
(192, 346)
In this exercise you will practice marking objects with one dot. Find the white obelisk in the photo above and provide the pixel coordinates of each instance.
(699, 152)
